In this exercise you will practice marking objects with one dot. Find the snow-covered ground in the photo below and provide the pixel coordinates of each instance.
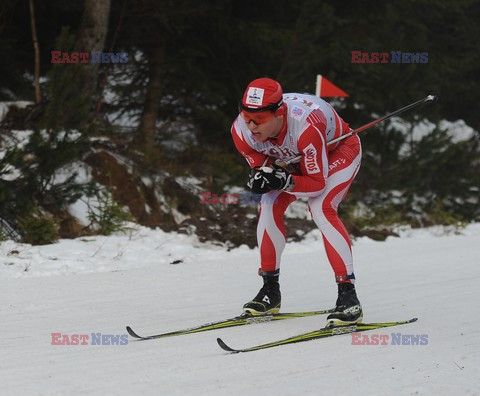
(100, 284)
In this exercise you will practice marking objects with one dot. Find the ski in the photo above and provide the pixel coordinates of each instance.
(313, 335)
(233, 322)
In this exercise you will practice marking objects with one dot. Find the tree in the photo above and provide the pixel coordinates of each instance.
(91, 38)
(29, 181)
(160, 25)
(36, 46)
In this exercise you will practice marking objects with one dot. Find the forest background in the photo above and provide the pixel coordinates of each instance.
(141, 140)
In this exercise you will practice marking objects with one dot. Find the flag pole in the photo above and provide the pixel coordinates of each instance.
(318, 89)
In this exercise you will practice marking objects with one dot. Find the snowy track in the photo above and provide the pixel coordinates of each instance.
(100, 286)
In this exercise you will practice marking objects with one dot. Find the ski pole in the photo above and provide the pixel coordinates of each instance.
(429, 98)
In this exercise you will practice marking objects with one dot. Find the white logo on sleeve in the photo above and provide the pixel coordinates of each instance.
(255, 96)
(310, 159)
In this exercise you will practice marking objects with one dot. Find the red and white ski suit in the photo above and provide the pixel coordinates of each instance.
(324, 175)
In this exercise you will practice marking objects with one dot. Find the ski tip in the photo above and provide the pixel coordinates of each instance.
(225, 347)
(132, 333)
(413, 320)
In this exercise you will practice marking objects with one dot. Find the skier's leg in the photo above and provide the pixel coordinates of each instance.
(271, 234)
(344, 163)
(271, 242)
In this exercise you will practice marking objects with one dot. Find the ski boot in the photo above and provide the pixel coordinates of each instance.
(267, 300)
(348, 309)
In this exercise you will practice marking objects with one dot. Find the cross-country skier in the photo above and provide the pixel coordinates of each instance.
(273, 128)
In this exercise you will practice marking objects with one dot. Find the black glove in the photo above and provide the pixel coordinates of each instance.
(264, 179)
(256, 183)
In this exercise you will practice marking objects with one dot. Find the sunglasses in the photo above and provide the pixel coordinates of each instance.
(259, 115)
(256, 118)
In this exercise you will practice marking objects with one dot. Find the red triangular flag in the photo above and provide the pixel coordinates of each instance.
(326, 88)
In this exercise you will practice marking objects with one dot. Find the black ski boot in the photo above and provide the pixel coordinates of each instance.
(267, 300)
(348, 309)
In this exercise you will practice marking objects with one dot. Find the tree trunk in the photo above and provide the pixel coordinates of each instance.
(36, 47)
(91, 37)
(103, 82)
(146, 128)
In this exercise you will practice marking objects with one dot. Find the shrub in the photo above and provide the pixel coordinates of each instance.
(38, 229)
(106, 216)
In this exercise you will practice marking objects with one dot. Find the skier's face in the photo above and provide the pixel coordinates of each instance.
(265, 130)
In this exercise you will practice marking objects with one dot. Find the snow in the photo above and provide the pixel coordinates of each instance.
(458, 130)
(298, 209)
(101, 284)
(5, 106)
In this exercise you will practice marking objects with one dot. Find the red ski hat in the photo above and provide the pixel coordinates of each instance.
(262, 94)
